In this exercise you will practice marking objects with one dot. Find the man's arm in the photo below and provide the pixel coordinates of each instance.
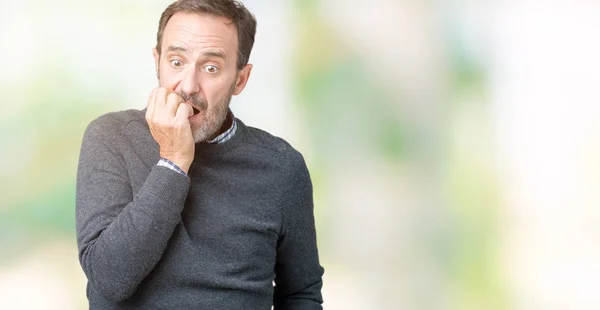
(121, 237)
(298, 274)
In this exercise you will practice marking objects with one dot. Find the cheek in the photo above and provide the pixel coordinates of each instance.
(215, 90)
(167, 79)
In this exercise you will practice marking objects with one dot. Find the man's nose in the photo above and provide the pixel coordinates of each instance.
(189, 83)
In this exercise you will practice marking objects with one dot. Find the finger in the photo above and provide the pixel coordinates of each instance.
(173, 101)
(184, 111)
(161, 97)
(150, 104)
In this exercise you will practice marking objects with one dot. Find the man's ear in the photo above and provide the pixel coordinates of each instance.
(156, 62)
(242, 79)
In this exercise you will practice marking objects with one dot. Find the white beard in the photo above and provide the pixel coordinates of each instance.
(213, 120)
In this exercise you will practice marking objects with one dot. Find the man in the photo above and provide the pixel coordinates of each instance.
(183, 206)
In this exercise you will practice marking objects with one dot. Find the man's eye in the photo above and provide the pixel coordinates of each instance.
(176, 63)
(211, 69)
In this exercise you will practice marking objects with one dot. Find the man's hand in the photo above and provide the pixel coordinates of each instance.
(167, 116)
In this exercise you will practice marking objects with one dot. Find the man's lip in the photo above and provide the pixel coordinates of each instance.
(196, 110)
(194, 115)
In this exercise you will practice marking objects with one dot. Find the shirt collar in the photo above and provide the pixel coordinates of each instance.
(229, 133)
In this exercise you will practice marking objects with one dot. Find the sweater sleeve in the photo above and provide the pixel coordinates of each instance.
(120, 236)
(298, 274)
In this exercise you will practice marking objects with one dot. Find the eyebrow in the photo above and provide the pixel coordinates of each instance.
(209, 53)
(176, 49)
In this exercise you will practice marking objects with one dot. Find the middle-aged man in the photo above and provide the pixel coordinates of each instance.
(183, 206)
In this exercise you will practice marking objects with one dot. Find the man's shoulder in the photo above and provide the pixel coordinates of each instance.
(112, 124)
(113, 128)
(278, 154)
(117, 121)
(272, 144)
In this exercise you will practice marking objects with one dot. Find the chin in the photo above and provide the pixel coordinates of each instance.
(203, 133)
(199, 136)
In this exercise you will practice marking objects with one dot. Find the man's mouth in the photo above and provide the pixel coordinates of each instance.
(196, 111)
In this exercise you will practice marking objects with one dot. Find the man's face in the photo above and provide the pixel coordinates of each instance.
(198, 61)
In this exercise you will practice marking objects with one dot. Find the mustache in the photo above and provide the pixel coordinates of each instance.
(195, 99)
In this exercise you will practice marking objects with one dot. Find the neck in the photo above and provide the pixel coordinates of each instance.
(227, 123)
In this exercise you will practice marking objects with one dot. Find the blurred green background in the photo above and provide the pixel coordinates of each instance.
(453, 145)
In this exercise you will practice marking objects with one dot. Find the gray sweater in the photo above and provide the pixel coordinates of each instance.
(151, 238)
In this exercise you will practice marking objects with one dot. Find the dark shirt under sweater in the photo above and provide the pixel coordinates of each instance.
(151, 238)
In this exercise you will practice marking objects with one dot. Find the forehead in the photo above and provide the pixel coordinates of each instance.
(195, 31)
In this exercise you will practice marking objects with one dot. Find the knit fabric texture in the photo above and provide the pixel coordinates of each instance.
(151, 238)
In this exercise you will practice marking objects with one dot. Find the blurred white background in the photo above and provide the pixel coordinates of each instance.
(454, 146)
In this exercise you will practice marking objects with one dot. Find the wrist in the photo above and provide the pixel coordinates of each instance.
(181, 162)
